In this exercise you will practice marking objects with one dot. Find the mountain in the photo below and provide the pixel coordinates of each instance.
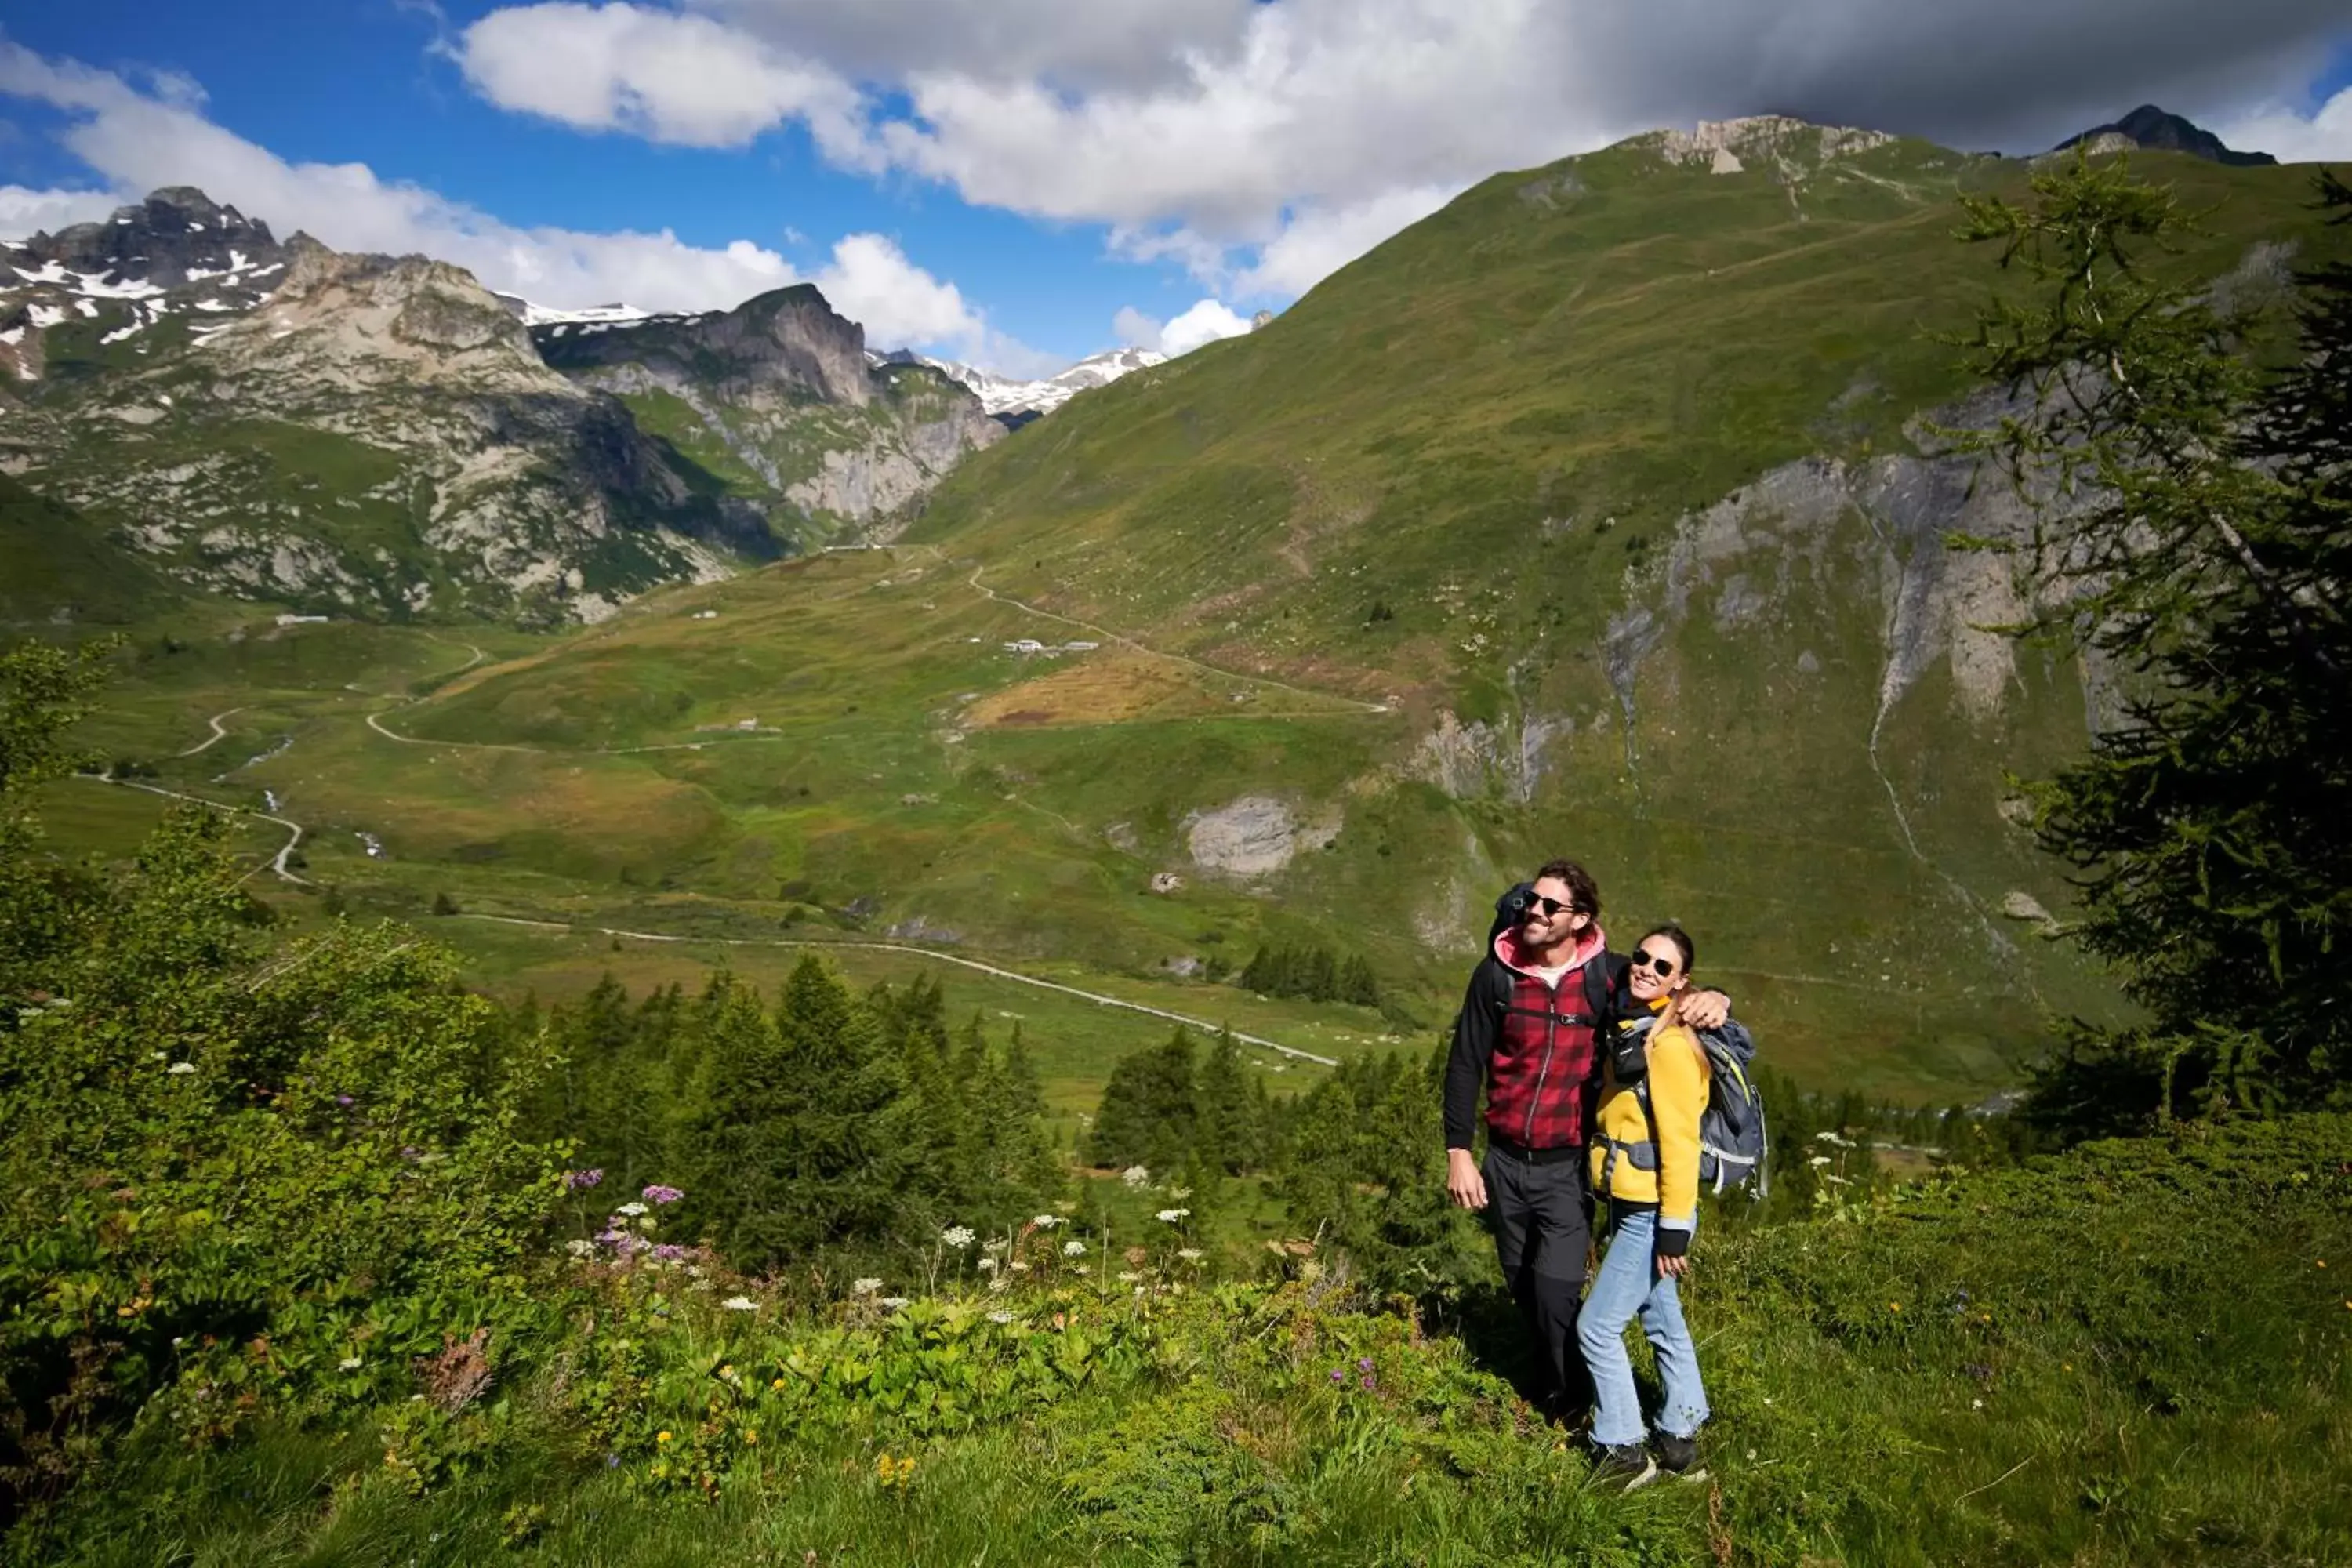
(781, 400)
(1017, 402)
(2148, 126)
(360, 435)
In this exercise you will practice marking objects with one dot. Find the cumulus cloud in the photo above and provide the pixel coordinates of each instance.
(1260, 145)
(24, 211)
(2322, 136)
(1204, 322)
(138, 139)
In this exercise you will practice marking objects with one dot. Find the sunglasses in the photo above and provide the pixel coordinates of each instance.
(1659, 962)
(1539, 904)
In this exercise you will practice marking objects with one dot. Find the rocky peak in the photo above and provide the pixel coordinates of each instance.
(409, 315)
(787, 340)
(176, 237)
(1729, 145)
(2150, 127)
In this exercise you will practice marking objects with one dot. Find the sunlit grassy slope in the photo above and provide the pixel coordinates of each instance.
(1383, 562)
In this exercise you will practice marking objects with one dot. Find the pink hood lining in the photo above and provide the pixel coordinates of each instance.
(1509, 953)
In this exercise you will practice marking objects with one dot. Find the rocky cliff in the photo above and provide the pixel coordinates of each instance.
(373, 435)
(780, 398)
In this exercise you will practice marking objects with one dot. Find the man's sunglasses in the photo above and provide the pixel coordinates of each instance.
(1657, 961)
(1539, 905)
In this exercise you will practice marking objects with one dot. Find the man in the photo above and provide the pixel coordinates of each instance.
(1526, 1030)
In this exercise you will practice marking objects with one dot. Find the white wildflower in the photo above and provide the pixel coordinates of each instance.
(1082, 1268)
(581, 1248)
(863, 1286)
(1189, 1254)
(629, 1211)
(740, 1304)
(1129, 1276)
(352, 1363)
(181, 1070)
(157, 1056)
(1019, 1267)
(1073, 1247)
(1046, 1221)
(999, 1317)
(957, 1236)
(894, 1302)
(1173, 1216)
(1136, 1175)
(996, 1244)
(988, 1266)
(998, 1282)
(1180, 1192)
(1818, 1161)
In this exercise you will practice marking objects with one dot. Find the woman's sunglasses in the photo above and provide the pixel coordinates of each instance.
(1657, 961)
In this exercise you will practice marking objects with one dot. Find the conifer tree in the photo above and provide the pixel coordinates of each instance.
(2194, 527)
(1229, 1138)
(1147, 1115)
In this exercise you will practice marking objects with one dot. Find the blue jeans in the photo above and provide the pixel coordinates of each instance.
(1629, 1283)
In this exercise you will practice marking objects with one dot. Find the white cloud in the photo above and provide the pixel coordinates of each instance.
(24, 211)
(138, 141)
(1135, 329)
(1260, 145)
(1203, 323)
(2292, 137)
(683, 80)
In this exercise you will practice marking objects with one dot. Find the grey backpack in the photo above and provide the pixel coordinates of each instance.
(1733, 1145)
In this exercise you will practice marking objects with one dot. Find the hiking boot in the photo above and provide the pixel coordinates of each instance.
(1625, 1466)
(1678, 1456)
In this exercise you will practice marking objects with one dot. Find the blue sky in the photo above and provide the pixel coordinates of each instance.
(1024, 181)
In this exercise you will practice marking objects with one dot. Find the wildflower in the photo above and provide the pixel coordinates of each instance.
(1173, 1216)
(1339, 1374)
(181, 1070)
(1367, 1384)
(581, 1181)
(999, 1317)
(1976, 1404)
(996, 1244)
(998, 1282)
(349, 1363)
(342, 1099)
(1189, 1254)
(894, 1302)
(1894, 1306)
(630, 1210)
(778, 1385)
(1019, 1267)
(1136, 1175)
(661, 1436)
(988, 1266)
(1082, 1268)
(658, 1193)
(1818, 1161)
(740, 1304)
(866, 1287)
(1046, 1221)
(669, 1252)
(580, 1248)
(1129, 1276)
(1363, 1363)
(1073, 1248)
(957, 1236)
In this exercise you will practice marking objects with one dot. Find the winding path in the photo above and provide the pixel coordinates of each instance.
(1355, 703)
(276, 862)
(219, 731)
(1012, 974)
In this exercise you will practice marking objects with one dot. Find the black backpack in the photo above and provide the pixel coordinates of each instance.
(1604, 982)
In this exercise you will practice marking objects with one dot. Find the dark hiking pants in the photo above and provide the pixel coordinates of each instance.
(1542, 1236)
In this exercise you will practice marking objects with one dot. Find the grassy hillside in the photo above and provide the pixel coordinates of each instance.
(2024, 1367)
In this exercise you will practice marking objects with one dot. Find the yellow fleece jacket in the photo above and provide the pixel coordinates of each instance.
(1678, 1075)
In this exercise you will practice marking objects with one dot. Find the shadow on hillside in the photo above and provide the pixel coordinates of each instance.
(1495, 1336)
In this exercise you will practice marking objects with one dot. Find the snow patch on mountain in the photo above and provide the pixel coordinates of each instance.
(1004, 397)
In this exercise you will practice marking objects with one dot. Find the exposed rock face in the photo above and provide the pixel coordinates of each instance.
(2148, 126)
(1479, 758)
(377, 436)
(1256, 835)
(782, 391)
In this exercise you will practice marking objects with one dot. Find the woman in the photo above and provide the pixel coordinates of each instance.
(1645, 1162)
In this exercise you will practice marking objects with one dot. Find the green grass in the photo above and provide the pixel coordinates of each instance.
(2040, 1365)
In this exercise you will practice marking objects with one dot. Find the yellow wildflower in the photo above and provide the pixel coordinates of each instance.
(661, 1436)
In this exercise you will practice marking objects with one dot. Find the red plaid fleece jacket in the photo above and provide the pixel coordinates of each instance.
(1531, 1045)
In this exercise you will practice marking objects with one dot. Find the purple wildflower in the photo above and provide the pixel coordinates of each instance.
(658, 1193)
(1363, 1363)
(1339, 1374)
(342, 1099)
(1367, 1382)
(581, 1181)
(669, 1252)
